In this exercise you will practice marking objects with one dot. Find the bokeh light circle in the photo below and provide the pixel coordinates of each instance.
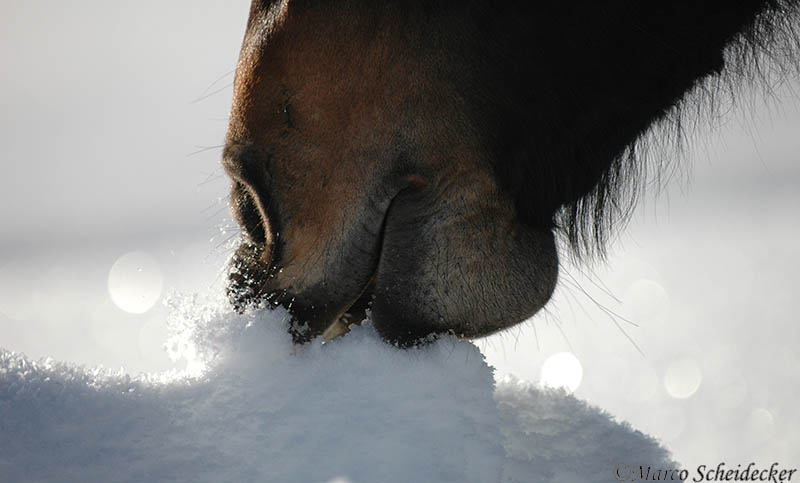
(760, 425)
(135, 282)
(666, 421)
(562, 370)
(646, 300)
(682, 378)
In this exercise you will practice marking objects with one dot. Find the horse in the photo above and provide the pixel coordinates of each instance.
(420, 160)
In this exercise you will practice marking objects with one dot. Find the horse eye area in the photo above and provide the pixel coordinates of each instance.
(247, 214)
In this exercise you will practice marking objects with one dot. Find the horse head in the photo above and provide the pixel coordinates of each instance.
(418, 158)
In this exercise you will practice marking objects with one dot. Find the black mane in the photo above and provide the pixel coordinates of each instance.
(599, 183)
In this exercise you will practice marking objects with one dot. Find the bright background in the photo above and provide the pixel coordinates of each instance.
(111, 197)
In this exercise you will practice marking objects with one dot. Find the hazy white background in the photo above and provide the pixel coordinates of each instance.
(97, 123)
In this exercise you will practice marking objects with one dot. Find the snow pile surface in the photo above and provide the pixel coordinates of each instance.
(252, 407)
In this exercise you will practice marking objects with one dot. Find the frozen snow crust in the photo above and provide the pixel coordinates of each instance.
(252, 407)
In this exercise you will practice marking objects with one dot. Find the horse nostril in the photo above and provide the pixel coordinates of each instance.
(248, 165)
(247, 214)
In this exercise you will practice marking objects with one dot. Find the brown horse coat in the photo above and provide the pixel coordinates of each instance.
(419, 157)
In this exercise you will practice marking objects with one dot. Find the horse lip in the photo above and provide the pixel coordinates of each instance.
(307, 306)
(257, 280)
(355, 312)
(359, 307)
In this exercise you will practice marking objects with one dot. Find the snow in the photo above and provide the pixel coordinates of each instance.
(250, 406)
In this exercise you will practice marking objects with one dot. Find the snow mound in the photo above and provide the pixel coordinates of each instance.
(252, 407)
